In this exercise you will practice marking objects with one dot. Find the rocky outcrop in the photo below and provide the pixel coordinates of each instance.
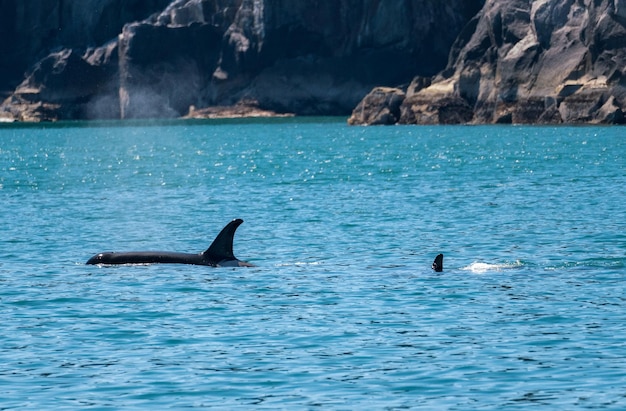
(523, 61)
(59, 58)
(66, 85)
(242, 109)
(163, 68)
(151, 58)
(515, 61)
(30, 31)
(380, 107)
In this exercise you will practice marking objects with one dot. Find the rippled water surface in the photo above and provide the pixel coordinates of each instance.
(342, 310)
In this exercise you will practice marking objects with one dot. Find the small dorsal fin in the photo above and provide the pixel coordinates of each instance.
(222, 247)
(438, 263)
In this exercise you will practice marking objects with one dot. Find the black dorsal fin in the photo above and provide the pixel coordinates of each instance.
(438, 263)
(222, 247)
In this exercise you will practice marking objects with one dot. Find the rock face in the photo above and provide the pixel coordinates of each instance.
(471, 61)
(157, 58)
(31, 31)
(60, 56)
(523, 61)
(380, 107)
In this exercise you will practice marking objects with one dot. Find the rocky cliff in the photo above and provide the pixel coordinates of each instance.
(520, 61)
(161, 58)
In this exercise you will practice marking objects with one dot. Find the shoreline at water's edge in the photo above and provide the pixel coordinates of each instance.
(287, 119)
(235, 111)
(179, 121)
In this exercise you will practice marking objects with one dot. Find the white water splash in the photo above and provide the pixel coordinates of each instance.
(480, 268)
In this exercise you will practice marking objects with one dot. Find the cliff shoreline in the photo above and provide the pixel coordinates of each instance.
(521, 62)
(391, 62)
(98, 59)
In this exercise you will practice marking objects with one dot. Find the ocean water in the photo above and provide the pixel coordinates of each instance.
(342, 310)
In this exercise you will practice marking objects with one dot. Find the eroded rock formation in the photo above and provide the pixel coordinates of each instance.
(151, 58)
(523, 61)
(513, 61)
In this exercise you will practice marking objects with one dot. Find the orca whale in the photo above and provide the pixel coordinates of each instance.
(219, 253)
(438, 263)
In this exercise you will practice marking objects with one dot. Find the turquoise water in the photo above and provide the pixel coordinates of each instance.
(342, 310)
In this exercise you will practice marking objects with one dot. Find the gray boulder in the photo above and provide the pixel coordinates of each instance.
(380, 107)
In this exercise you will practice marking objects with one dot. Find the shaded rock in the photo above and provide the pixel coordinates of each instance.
(32, 31)
(303, 85)
(66, 85)
(380, 106)
(596, 106)
(291, 56)
(417, 84)
(542, 61)
(435, 104)
(444, 110)
(321, 60)
(522, 111)
(163, 68)
(609, 113)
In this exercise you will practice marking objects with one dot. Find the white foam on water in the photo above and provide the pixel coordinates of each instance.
(479, 268)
